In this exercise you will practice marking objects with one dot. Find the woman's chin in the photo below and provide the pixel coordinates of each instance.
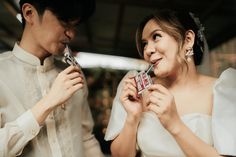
(157, 73)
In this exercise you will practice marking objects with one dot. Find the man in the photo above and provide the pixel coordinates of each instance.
(33, 119)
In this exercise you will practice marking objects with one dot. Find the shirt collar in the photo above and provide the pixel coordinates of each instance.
(29, 58)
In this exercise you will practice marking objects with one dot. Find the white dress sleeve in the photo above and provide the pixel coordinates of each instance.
(224, 113)
(118, 113)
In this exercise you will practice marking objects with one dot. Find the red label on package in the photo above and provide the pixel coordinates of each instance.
(143, 81)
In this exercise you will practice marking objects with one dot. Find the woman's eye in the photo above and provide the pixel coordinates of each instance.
(156, 36)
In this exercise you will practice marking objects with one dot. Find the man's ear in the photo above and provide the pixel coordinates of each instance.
(189, 39)
(28, 12)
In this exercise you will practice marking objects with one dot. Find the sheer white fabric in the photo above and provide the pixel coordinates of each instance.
(23, 82)
(224, 113)
(154, 141)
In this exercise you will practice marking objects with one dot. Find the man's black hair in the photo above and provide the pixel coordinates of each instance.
(65, 10)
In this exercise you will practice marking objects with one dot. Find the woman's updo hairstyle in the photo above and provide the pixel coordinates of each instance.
(175, 23)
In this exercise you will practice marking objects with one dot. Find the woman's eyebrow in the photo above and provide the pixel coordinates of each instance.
(155, 30)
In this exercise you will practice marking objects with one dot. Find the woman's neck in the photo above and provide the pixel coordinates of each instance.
(181, 78)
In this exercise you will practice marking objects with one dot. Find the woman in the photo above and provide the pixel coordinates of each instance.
(177, 115)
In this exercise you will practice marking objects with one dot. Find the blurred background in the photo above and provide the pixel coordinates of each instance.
(106, 44)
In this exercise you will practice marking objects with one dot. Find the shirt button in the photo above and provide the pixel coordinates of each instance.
(33, 132)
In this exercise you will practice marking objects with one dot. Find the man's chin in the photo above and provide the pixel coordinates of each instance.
(58, 52)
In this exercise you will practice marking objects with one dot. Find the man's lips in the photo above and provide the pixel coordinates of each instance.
(64, 43)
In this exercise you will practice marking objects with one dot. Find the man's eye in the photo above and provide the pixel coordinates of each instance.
(63, 24)
(68, 25)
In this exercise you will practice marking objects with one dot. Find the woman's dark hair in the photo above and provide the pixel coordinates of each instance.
(175, 24)
(65, 10)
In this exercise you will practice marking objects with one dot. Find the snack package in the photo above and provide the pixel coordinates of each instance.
(143, 80)
(68, 57)
(70, 60)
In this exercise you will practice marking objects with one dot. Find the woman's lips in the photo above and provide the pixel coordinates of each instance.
(156, 62)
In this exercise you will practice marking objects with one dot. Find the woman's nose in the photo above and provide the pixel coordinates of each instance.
(149, 49)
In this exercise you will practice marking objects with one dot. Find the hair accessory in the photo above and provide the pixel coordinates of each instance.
(189, 53)
(200, 27)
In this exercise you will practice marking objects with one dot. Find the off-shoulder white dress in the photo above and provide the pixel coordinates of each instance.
(218, 130)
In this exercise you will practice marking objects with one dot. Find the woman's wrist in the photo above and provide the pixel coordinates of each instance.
(133, 120)
(176, 128)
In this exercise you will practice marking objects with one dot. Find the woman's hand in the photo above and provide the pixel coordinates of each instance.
(65, 85)
(130, 99)
(162, 102)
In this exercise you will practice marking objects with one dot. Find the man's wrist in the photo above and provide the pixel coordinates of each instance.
(41, 110)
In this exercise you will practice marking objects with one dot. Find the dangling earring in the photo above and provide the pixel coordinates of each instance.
(189, 53)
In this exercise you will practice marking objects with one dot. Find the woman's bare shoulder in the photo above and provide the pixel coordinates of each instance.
(207, 79)
(210, 78)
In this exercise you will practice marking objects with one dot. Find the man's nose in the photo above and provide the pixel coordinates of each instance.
(70, 33)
